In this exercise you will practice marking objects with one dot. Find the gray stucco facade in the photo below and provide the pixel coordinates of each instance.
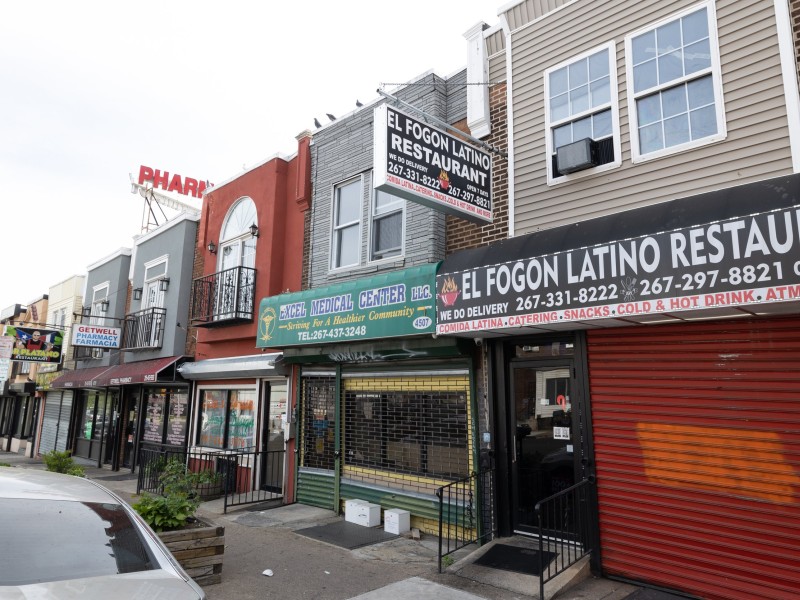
(173, 246)
(343, 150)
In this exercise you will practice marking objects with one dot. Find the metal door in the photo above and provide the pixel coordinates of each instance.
(697, 442)
(543, 452)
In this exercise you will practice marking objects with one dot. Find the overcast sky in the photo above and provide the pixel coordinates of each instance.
(89, 91)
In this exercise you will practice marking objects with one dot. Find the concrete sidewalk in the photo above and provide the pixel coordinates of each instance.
(257, 539)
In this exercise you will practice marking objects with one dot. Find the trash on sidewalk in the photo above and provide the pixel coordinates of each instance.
(268, 572)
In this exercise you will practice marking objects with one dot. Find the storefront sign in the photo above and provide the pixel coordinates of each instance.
(740, 261)
(399, 303)
(43, 380)
(426, 165)
(154, 421)
(176, 431)
(32, 344)
(96, 336)
(175, 183)
(6, 346)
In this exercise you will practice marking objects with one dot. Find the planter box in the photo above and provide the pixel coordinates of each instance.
(199, 550)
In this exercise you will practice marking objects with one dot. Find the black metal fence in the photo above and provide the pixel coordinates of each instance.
(564, 529)
(241, 476)
(144, 329)
(225, 296)
(465, 515)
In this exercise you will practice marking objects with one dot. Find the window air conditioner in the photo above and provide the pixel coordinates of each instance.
(576, 156)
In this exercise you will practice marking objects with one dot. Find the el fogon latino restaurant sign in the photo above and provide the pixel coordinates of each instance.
(426, 165)
(741, 261)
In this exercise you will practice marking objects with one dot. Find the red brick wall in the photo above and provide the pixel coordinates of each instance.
(462, 234)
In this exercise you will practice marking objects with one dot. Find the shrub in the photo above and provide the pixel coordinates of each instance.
(165, 512)
(61, 462)
(179, 500)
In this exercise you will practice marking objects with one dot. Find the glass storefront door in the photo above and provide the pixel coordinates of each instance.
(543, 452)
(96, 416)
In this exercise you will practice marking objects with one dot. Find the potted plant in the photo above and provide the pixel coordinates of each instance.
(207, 484)
(197, 543)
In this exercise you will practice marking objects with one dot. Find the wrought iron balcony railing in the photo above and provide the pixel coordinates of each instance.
(223, 297)
(144, 329)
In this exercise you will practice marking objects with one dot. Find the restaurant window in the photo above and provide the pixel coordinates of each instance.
(227, 419)
(675, 85)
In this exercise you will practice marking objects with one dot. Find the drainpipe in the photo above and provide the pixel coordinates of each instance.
(510, 125)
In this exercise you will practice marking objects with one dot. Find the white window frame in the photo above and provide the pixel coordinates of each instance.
(613, 105)
(98, 318)
(716, 77)
(151, 282)
(195, 426)
(335, 227)
(374, 216)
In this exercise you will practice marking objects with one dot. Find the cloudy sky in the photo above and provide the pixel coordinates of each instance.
(89, 91)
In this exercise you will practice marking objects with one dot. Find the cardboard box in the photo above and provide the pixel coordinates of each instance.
(350, 508)
(362, 512)
(396, 520)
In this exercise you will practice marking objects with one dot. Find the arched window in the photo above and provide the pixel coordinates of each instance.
(236, 262)
(237, 244)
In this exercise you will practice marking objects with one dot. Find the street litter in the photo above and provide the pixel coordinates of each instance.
(267, 572)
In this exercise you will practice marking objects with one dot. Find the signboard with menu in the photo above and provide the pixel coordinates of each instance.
(423, 164)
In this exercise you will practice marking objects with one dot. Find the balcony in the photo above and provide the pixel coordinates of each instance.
(144, 330)
(223, 298)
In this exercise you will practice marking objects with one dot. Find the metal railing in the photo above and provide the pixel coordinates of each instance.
(224, 296)
(464, 515)
(564, 529)
(144, 329)
(241, 476)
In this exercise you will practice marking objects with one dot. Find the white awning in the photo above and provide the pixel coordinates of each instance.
(255, 365)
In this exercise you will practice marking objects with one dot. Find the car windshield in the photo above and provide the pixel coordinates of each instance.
(52, 540)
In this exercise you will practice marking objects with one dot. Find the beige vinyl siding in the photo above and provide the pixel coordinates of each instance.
(757, 143)
(497, 68)
(495, 43)
(529, 10)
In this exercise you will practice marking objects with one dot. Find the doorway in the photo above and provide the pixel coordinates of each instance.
(543, 453)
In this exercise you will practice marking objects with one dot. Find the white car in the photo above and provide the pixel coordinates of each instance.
(67, 537)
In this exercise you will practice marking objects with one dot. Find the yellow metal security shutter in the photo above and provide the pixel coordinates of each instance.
(697, 442)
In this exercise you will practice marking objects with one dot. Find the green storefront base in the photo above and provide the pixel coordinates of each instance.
(316, 489)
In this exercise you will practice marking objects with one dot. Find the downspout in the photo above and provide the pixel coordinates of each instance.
(786, 48)
(510, 122)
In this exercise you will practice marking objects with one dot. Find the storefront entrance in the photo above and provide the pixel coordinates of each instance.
(543, 452)
(96, 418)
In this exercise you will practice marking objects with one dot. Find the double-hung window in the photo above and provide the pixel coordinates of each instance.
(387, 226)
(674, 85)
(346, 242)
(581, 97)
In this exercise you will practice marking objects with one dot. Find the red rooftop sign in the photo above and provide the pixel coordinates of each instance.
(175, 183)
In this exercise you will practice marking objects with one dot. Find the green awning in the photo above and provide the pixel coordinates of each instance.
(396, 304)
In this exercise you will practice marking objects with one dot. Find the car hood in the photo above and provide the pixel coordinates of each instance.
(145, 585)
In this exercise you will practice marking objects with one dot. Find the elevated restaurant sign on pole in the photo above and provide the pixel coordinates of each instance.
(423, 164)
